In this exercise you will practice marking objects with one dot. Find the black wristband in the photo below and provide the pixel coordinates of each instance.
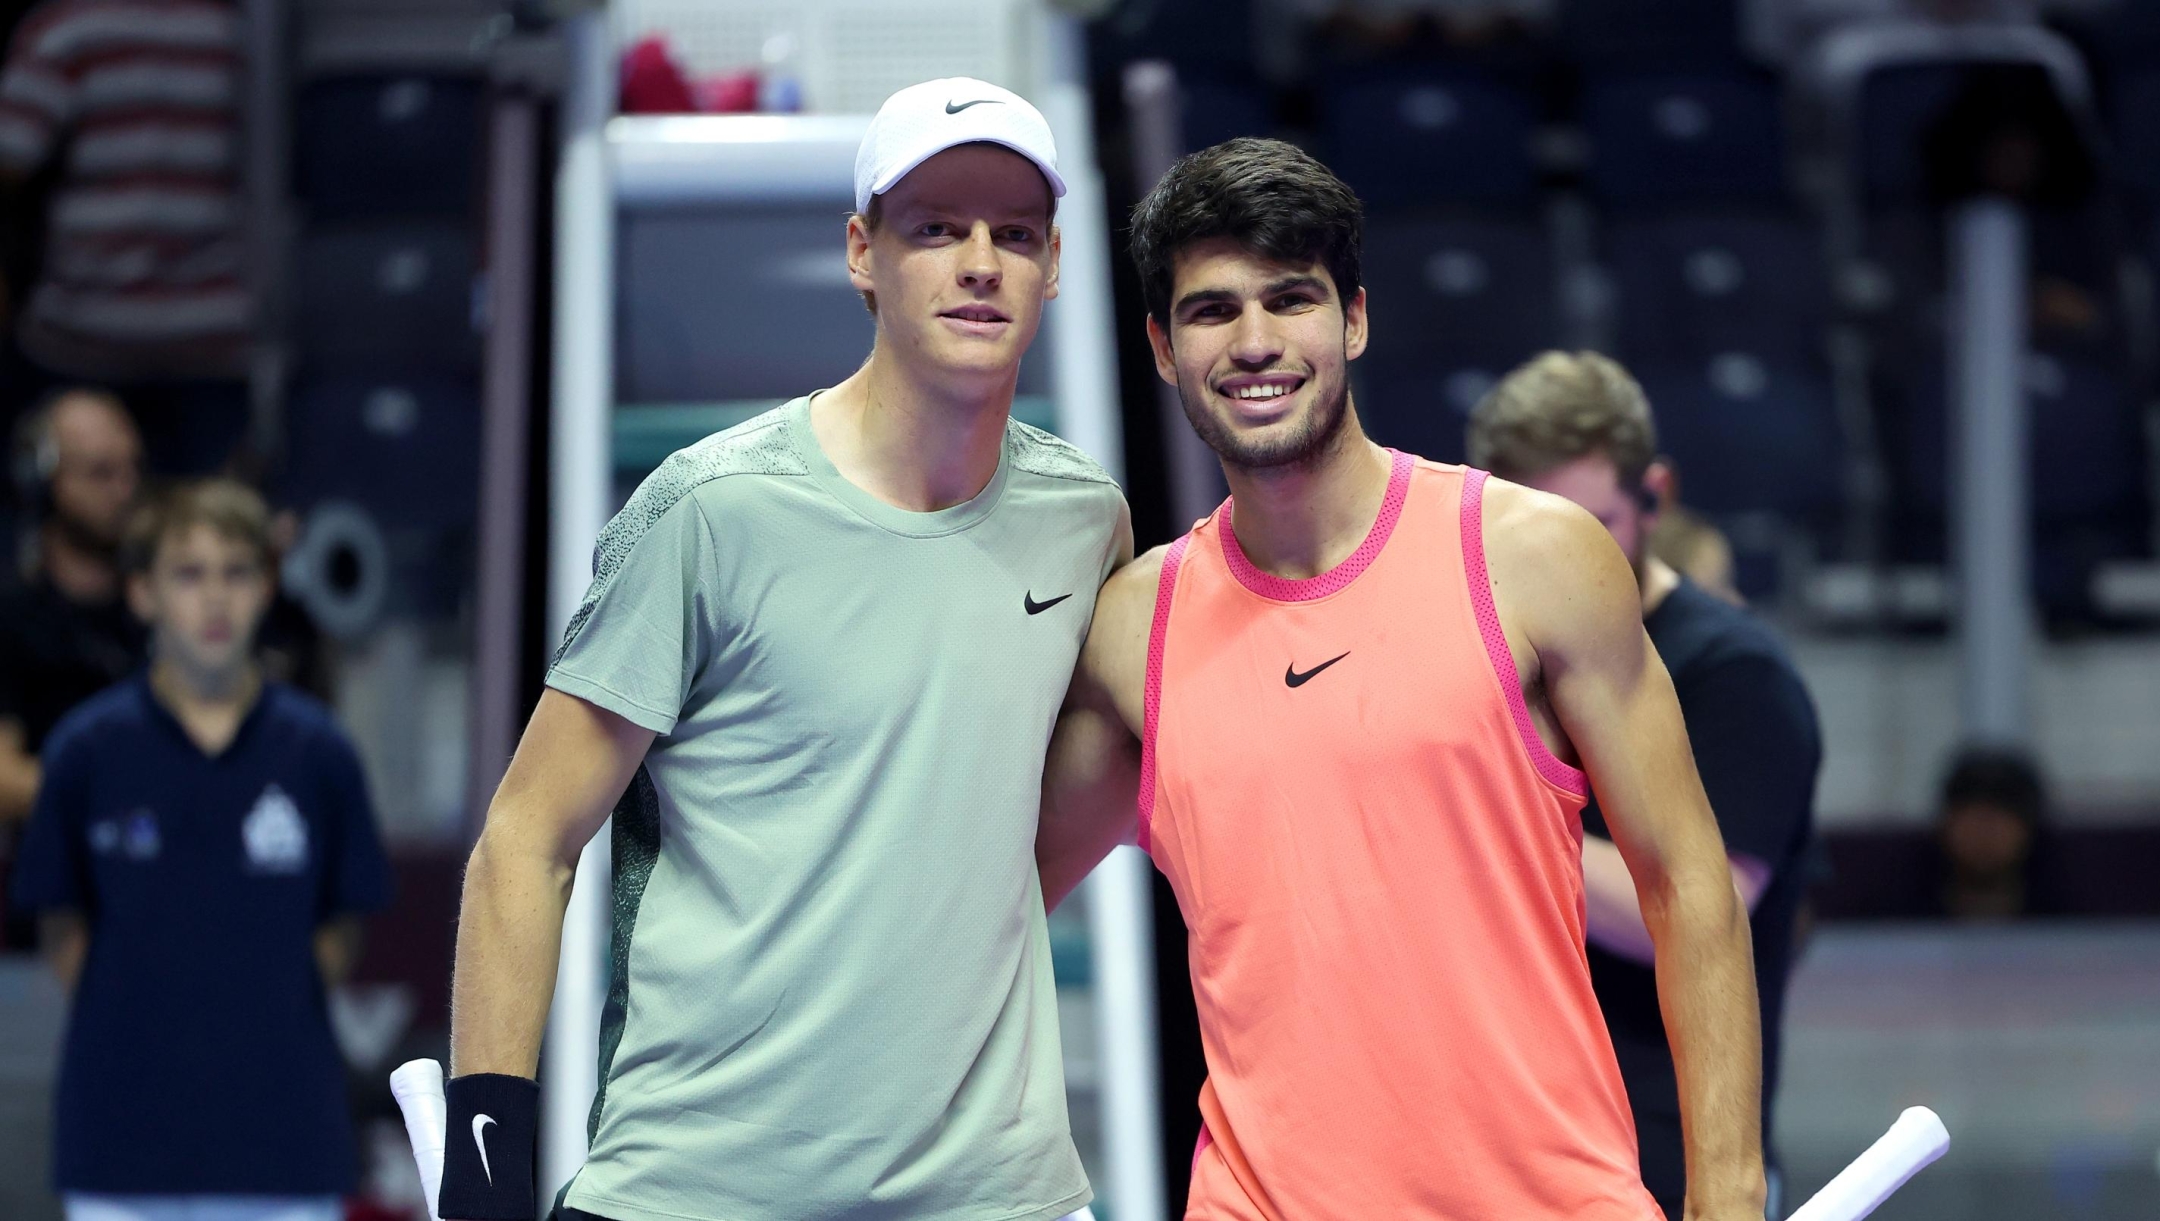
(492, 1134)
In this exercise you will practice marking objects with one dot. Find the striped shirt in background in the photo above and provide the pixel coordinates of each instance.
(143, 274)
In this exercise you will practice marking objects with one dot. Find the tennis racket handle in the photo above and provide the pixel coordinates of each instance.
(418, 1087)
(1915, 1140)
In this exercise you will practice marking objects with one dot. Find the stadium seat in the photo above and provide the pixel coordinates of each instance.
(1695, 283)
(1651, 32)
(389, 145)
(1211, 39)
(2137, 133)
(1749, 434)
(2089, 499)
(2088, 446)
(1443, 138)
(407, 449)
(1661, 138)
(1212, 112)
(1898, 107)
(387, 295)
(1458, 302)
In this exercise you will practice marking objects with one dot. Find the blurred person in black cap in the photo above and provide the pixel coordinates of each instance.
(66, 632)
(1578, 426)
(1993, 808)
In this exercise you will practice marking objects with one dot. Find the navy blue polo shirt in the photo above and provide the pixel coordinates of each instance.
(199, 1057)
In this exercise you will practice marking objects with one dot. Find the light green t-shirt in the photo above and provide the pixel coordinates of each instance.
(832, 992)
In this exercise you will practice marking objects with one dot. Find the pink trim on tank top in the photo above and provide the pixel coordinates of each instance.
(1151, 701)
(1200, 1146)
(1338, 578)
(1556, 772)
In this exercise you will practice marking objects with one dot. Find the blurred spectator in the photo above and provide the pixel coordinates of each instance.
(1993, 807)
(65, 633)
(1696, 550)
(208, 834)
(2007, 134)
(142, 279)
(1577, 425)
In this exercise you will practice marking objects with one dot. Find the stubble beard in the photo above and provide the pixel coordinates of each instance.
(1302, 448)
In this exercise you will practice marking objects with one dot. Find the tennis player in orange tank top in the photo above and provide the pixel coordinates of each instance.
(1350, 715)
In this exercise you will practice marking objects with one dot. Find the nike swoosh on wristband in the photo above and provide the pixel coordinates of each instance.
(480, 1122)
(952, 109)
(1292, 678)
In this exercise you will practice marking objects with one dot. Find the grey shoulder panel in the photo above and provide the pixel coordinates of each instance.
(1040, 453)
(757, 446)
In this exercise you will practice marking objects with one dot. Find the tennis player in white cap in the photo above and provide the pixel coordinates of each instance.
(814, 679)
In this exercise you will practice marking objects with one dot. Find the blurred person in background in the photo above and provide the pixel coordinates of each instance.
(1695, 549)
(142, 281)
(200, 852)
(1577, 425)
(66, 632)
(1993, 808)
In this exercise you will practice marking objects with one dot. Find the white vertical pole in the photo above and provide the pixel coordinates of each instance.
(1991, 477)
(1084, 377)
(1120, 899)
(580, 475)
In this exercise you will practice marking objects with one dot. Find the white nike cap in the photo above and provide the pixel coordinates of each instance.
(921, 121)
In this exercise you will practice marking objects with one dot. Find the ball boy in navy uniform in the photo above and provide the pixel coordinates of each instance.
(199, 851)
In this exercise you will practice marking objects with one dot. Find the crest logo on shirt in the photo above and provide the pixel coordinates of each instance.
(275, 835)
(134, 836)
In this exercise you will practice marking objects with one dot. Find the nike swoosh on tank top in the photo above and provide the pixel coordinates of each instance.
(1380, 868)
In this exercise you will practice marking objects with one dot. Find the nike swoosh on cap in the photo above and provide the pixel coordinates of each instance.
(480, 1122)
(951, 108)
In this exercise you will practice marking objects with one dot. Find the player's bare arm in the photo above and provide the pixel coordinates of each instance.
(574, 761)
(1092, 775)
(1569, 604)
(1615, 910)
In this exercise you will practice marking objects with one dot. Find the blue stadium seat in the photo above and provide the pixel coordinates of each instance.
(1215, 38)
(2090, 502)
(407, 449)
(2088, 444)
(1749, 434)
(1457, 303)
(1659, 138)
(1695, 283)
(1651, 32)
(387, 295)
(1898, 107)
(389, 145)
(1435, 139)
(1212, 112)
(2137, 133)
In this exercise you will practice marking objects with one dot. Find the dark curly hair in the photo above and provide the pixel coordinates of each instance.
(1269, 197)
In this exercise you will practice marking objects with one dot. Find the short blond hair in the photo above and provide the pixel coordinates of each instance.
(1561, 406)
(232, 509)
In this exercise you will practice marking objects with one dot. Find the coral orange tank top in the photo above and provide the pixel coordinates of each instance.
(1379, 864)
